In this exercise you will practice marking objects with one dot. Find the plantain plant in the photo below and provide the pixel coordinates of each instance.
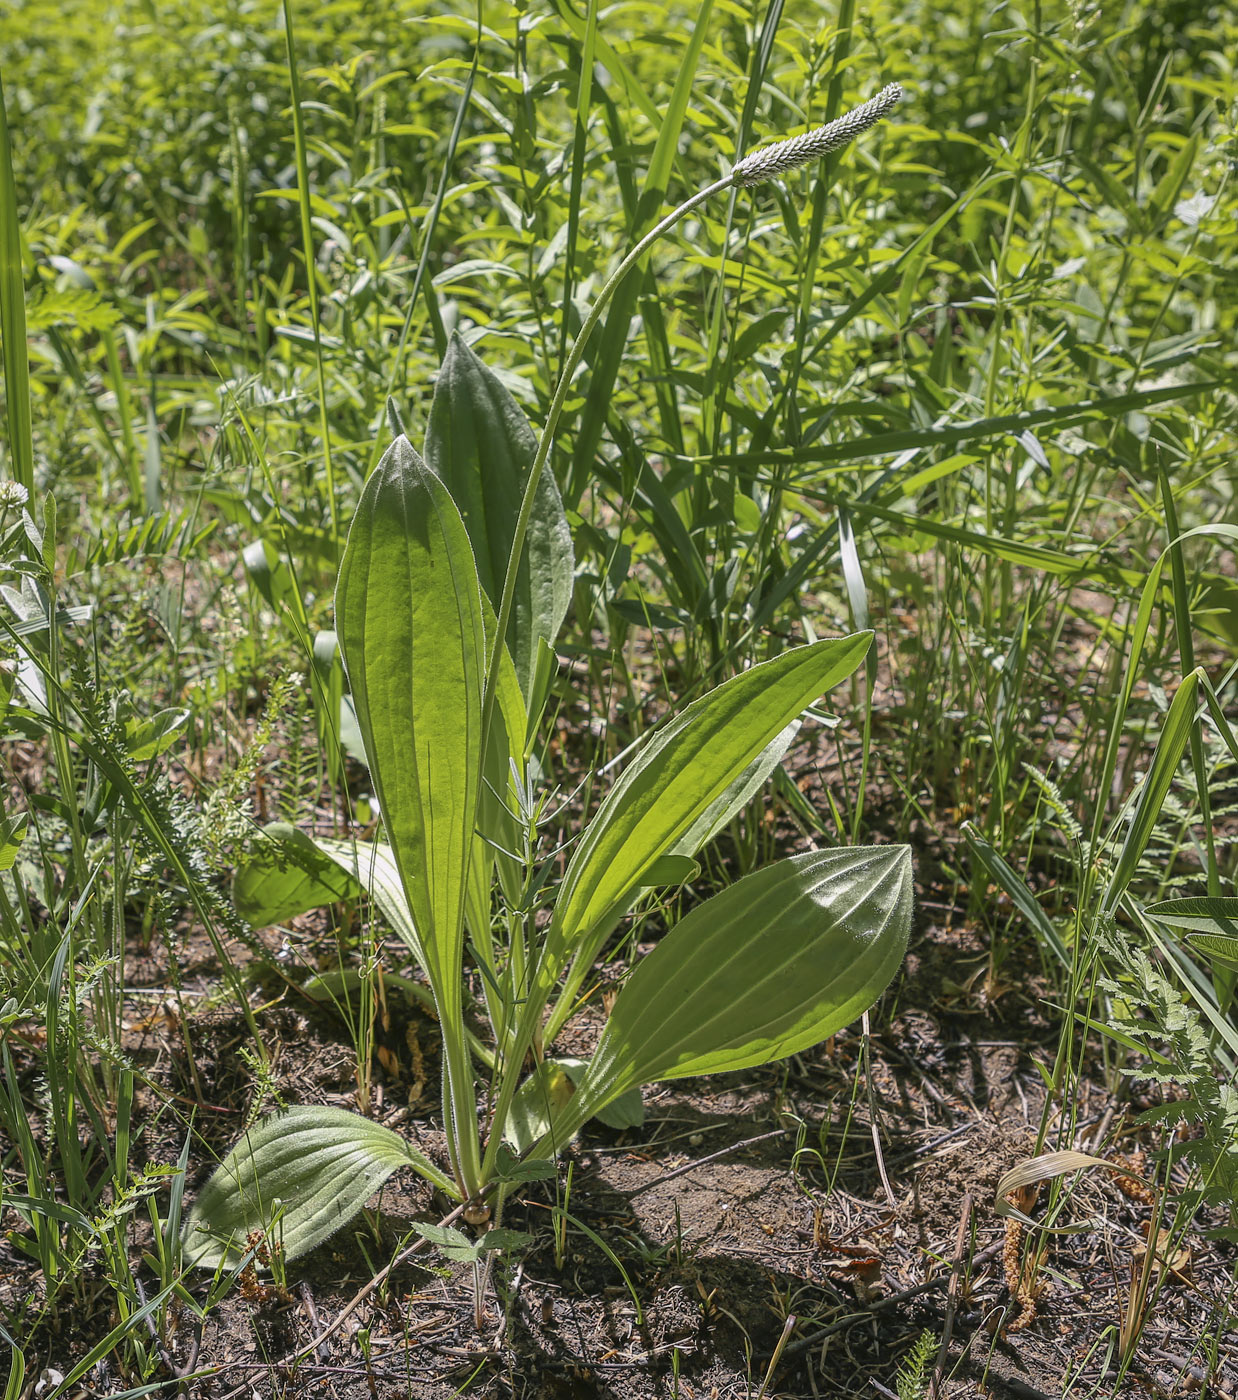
(453, 586)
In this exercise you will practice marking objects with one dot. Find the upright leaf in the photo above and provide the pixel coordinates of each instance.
(779, 961)
(1155, 788)
(13, 319)
(408, 612)
(409, 619)
(480, 445)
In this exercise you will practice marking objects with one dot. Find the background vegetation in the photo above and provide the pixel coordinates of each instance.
(963, 383)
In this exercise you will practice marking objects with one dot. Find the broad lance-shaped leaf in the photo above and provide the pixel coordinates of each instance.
(677, 864)
(409, 618)
(303, 1174)
(736, 796)
(674, 780)
(408, 613)
(779, 961)
(480, 444)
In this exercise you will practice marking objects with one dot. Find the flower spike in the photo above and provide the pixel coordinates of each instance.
(770, 161)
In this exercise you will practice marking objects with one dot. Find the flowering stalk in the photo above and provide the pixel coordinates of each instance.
(774, 160)
(762, 165)
(752, 170)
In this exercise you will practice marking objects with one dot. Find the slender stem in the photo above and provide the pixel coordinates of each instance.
(311, 273)
(552, 422)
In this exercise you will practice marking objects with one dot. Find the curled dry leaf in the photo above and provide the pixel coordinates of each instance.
(859, 1264)
(1167, 1254)
(1044, 1168)
(1129, 1181)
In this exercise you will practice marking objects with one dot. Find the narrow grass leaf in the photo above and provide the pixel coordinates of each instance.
(13, 319)
(1006, 878)
(1169, 749)
(1211, 922)
(610, 348)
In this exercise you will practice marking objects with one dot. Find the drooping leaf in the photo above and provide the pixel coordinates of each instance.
(373, 864)
(269, 572)
(148, 738)
(779, 961)
(998, 870)
(300, 1174)
(290, 872)
(481, 446)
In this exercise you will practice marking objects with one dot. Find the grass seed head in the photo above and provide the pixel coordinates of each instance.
(770, 161)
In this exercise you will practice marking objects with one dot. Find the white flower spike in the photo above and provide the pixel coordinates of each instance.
(770, 161)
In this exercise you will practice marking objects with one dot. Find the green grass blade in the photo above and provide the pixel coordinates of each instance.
(311, 271)
(1164, 767)
(13, 319)
(611, 345)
